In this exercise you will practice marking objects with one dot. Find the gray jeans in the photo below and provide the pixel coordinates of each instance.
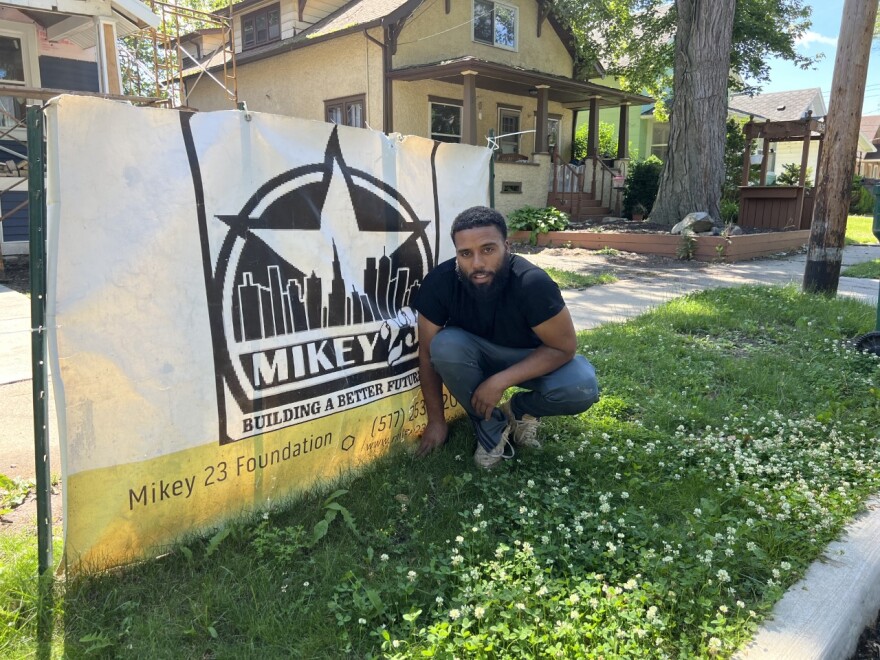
(464, 361)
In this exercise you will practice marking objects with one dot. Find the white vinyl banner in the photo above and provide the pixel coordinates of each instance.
(231, 296)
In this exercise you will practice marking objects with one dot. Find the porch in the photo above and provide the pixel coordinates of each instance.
(530, 119)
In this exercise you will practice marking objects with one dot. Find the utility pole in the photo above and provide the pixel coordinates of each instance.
(837, 161)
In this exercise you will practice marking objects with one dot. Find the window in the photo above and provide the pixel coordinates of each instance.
(495, 24)
(261, 27)
(18, 67)
(348, 111)
(508, 122)
(660, 140)
(445, 122)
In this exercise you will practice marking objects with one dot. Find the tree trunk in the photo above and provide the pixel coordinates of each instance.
(837, 160)
(693, 174)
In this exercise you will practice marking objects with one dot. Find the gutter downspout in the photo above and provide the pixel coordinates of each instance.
(387, 115)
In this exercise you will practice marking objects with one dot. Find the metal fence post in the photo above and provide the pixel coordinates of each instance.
(37, 263)
(492, 169)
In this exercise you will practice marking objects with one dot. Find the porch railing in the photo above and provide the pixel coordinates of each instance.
(568, 182)
(571, 183)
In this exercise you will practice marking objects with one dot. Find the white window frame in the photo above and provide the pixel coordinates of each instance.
(431, 132)
(515, 47)
(26, 33)
(516, 139)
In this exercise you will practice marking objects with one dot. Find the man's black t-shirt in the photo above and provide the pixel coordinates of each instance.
(528, 299)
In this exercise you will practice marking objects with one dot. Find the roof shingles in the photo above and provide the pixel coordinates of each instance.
(780, 106)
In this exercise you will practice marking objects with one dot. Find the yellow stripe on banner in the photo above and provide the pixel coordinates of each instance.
(126, 512)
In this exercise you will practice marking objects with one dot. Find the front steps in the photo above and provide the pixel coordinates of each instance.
(580, 207)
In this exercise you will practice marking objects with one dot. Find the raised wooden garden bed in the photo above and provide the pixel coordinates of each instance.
(708, 248)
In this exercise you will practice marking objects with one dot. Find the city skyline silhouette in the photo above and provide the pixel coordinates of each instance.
(270, 308)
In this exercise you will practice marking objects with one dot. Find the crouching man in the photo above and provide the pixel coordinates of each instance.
(489, 320)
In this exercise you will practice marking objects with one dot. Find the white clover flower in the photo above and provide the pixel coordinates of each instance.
(306, 583)
(698, 512)
(723, 576)
(624, 495)
(574, 598)
(530, 483)
(459, 539)
(652, 613)
(574, 614)
(457, 559)
(714, 644)
(362, 621)
(722, 609)
(383, 557)
(454, 614)
(439, 600)
(740, 604)
(411, 576)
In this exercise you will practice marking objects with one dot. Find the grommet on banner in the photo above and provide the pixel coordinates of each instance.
(243, 107)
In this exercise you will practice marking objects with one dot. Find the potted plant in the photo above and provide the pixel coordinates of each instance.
(638, 212)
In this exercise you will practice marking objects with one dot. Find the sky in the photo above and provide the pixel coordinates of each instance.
(822, 38)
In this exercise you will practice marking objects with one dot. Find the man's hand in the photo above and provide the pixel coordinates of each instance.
(487, 396)
(434, 436)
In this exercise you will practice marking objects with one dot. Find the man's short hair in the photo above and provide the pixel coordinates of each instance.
(479, 216)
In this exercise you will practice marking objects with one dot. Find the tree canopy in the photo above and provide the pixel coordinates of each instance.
(634, 39)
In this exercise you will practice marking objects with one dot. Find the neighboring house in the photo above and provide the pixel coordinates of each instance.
(451, 70)
(783, 106)
(868, 157)
(48, 47)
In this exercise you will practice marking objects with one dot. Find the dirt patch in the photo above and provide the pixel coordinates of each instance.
(24, 516)
(16, 274)
(626, 226)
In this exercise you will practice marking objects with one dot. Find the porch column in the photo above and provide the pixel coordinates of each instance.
(541, 119)
(469, 108)
(765, 160)
(593, 132)
(109, 75)
(623, 132)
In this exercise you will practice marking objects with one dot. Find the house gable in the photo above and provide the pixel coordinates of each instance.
(434, 35)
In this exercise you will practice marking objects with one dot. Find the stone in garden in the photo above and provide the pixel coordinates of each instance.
(612, 218)
(697, 222)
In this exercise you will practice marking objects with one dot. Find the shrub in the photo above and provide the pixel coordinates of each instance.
(537, 221)
(642, 182)
(607, 142)
(861, 201)
(791, 175)
(729, 211)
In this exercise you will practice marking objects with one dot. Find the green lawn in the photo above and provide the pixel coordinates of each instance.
(736, 435)
(569, 280)
(858, 230)
(868, 269)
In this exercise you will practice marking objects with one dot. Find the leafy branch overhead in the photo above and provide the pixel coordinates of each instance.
(634, 40)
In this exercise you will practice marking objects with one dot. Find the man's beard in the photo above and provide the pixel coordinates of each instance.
(490, 291)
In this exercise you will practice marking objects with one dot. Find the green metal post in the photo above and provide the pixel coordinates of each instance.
(37, 219)
(492, 170)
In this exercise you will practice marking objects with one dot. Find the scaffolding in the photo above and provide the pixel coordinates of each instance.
(157, 62)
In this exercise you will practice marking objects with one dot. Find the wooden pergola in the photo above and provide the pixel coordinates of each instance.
(778, 207)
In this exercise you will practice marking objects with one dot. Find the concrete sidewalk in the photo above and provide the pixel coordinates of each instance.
(819, 617)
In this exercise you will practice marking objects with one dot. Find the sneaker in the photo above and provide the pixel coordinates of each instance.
(502, 451)
(525, 430)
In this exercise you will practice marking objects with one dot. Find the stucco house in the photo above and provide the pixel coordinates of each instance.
(451, 70)
(49, 47)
